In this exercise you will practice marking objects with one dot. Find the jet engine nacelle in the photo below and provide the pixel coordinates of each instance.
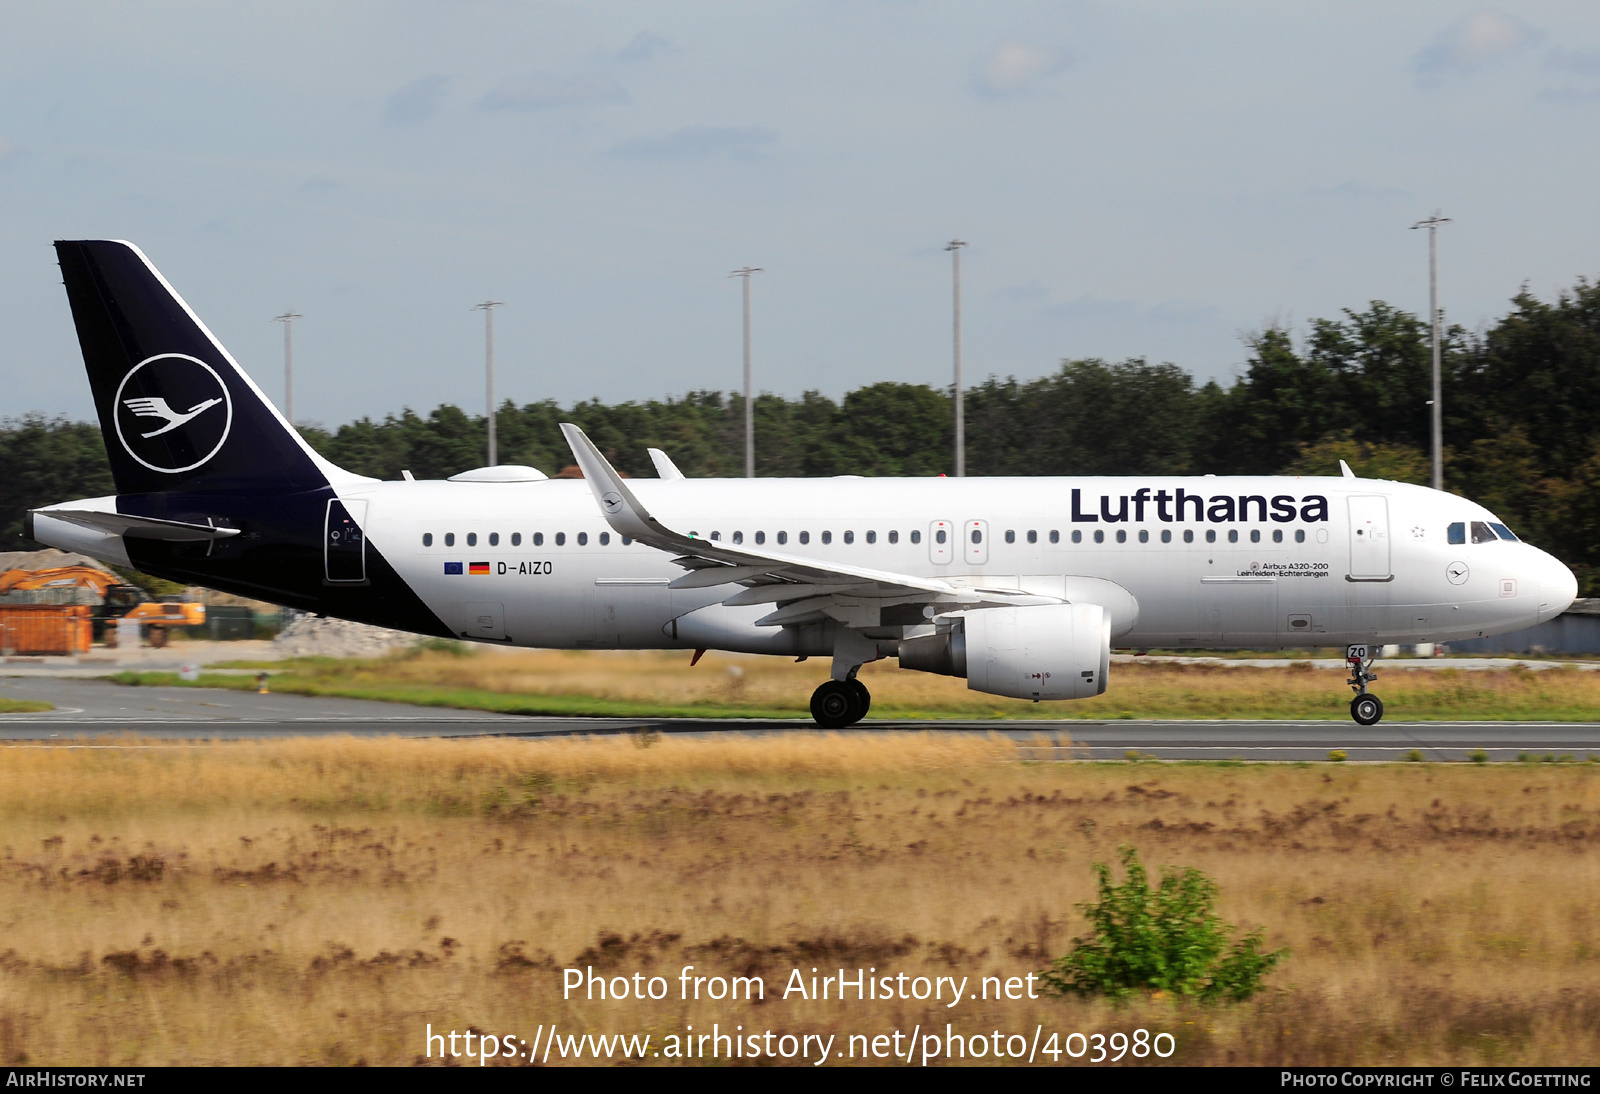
(1047, 651)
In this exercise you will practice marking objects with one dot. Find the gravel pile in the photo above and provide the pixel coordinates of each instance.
(310, 636)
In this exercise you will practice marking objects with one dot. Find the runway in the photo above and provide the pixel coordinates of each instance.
(96, 712)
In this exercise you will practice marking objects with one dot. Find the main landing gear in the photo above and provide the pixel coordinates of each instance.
(839, 703)
(1365, 708)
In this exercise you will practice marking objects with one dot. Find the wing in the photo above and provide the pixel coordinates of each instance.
(804, 590)
(151, 407)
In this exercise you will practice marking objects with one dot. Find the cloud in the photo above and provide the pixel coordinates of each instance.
(416, 100)
(541, 91)
(698, 142)
(645, 46)
(1585, 62)
(1472, 42)
(1013, 67)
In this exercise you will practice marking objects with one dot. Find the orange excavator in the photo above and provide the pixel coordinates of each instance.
(119, 600)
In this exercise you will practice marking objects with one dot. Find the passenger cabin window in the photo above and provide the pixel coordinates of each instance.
(1211, 535)
(849, 537)
(538, 539)
(605, 539)
(1255, 535)
(805, 537)
(449, 539)
(1277, 535)
(894, 537)
(1099, 536)
(1077, 535)
(1233, 535)
(1144, 535)
(827, 537)
(1502, 531)
(939, 536)
(1033, 536)
(1188, 535)
(1482, 533)
(872, 537)
(1055, 536)
(783, 537)
(1299, 535)
(714, 535)
(561, 539)
(761, 537)
(494, 539)
(1457, 532)
(583, 538)
(1011, 537)
(977, 536)
(427, 539)
(516, 539)
(1122, 535)
(1166, 535)
(472, 539)
(916, 536)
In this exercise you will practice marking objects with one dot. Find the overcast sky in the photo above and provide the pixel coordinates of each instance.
(1134, 180)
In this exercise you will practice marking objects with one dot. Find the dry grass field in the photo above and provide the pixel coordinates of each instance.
(729, 685)
(324, 901)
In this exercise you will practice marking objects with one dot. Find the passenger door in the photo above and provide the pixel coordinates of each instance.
(1369, 538)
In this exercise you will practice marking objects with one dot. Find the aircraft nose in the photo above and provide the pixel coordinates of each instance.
(1558, 588)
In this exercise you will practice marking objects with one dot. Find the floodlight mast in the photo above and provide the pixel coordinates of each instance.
(488, 307)
(749, 403)
(1432, 224)
(287, 319)
(954, 247)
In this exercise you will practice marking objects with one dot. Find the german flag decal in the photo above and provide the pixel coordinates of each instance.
(478, 568)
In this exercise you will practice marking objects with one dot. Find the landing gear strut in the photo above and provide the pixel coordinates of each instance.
(1365, 708)
(839, 703)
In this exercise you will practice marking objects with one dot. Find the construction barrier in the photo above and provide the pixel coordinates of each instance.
(45, 628)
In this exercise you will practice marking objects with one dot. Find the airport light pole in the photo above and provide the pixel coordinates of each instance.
(954, 247)
(287, 319)
(749, 402)
(1432, 224)
(487, 308)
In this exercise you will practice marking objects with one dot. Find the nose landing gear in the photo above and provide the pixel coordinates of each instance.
(1365, 708)
(839, 703)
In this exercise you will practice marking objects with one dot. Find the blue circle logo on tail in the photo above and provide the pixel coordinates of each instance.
(173, 413)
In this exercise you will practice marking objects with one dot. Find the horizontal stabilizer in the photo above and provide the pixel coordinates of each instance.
(123, 524)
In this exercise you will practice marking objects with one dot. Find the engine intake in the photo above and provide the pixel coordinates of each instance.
(1047, 651)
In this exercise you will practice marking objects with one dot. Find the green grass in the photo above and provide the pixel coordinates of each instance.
(24, 706)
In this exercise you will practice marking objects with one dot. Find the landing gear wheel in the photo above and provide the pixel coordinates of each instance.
(1367, 710)
(836, 704)
(863, 697)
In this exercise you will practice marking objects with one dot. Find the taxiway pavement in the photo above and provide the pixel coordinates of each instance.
(97, 712)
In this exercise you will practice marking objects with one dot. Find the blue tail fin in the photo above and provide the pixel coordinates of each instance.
(176, 411)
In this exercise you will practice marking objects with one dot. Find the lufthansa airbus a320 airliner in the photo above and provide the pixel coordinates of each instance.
(1019, 585)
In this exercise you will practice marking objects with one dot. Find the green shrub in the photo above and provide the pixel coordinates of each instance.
(1478, 756)
(1338, 756)
(1414, 756)
(1165, 940)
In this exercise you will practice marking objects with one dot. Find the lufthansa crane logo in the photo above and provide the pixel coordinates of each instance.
(173, 413)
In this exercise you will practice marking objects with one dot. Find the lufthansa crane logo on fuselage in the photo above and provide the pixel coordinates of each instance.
(173, 413)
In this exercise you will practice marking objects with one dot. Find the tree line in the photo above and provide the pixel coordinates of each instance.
(1521, 423)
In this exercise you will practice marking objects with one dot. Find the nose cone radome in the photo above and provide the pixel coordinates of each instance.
(1558, 588)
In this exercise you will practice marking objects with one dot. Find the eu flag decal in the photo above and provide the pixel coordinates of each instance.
(452, 567)
(478, 568)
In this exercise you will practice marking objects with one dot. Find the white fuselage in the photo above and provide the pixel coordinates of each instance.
(1373, 564)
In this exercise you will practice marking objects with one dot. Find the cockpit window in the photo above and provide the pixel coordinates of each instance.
(1481, 533)
(1502, 531)
(1457, 532)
